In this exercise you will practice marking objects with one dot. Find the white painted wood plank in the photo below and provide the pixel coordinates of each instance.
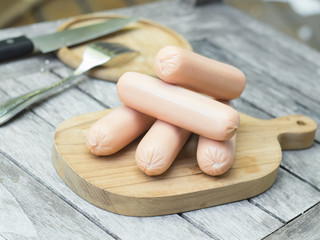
(31, 211)
(243, 106)
(296, 63)
(66, 102)
(57, 108)
(282, 57)
(2, 237)
(29, 65)
(305, 164)
(240, 220)
(305, 227)
(12, 218)
(288, 197)
(103, 91)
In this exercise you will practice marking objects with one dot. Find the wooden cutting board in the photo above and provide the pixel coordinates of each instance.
(144, 36)
(116, 184)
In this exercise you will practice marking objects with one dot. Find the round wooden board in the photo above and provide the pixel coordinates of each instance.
(116, 184)
(144, 36)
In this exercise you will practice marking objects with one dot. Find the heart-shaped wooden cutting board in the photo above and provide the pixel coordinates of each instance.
(116, 184)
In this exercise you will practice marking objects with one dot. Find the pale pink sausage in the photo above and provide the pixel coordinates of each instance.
(116, 130)
(216, 157)
(159, 147)
(198, 73)
(178, 106)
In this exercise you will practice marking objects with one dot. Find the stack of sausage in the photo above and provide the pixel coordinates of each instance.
(192, 96)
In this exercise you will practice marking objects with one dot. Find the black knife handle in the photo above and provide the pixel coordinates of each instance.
(15, 47)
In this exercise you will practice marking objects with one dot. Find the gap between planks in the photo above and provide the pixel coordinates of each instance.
(57, 194)
(293, 219)
(2, 237)
(304, 212)
(267, 211)
(190, 221)
(284, 84)
(300, 178)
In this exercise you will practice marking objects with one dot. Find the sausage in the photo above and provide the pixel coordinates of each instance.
(198, 73)
(159, 147)
(116, 130)
(216, 157)
(178, 106)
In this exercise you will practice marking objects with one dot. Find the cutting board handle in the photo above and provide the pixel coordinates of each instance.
(294, 131)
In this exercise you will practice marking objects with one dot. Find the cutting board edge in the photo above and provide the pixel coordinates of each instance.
(156, 206)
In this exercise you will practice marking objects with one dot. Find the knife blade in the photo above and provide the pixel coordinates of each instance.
(21, 46)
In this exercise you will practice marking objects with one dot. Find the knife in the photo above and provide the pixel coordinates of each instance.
(21, 46)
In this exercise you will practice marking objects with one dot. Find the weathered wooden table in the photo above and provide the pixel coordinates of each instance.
(283, 78)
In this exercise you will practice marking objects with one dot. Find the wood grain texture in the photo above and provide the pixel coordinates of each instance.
(28, 138)
(305, 167)
(30, 211)
(304, 227)
(239, 220)
(115, 183)
(282, 200)
(136, 36)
